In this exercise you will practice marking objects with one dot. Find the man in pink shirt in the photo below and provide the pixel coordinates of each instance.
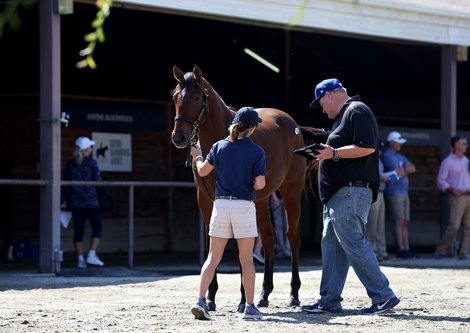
(454, 178)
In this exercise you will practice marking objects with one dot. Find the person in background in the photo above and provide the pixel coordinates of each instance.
(83, 200)
(240, 165)
(278, 216)
(454, 178)
(375, 229)
(348, 185)
(258, 250)
(279, 220)
(396, 193)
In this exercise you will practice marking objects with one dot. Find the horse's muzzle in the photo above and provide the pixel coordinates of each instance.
(180, 140)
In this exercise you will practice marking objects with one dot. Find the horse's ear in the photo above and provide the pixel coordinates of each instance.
(178, 73)
(197, 72)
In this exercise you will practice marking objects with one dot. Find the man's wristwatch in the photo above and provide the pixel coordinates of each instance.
(335, 155)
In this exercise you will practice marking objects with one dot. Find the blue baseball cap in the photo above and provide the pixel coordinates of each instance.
(322, 88)
(247, 116)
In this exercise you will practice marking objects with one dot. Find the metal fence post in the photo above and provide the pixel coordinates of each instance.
(130, 229)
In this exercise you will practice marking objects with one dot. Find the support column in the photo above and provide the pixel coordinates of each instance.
(50, 139)
(287, 77)
(448, 113)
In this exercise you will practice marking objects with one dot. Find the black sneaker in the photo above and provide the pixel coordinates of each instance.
(381, 307)
(317, 308)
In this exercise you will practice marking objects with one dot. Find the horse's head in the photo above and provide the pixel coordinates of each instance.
(190, 97)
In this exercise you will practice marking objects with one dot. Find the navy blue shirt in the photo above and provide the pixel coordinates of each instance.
(83, 196)
(355, 124)
(237, 164)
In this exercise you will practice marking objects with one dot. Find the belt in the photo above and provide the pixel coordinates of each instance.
(359, 184)
(228, 197)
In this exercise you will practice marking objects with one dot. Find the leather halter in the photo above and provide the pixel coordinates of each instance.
(199, 115)
(194, 124)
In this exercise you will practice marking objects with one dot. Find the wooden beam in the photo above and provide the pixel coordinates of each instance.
(448, 113)
(50, 138)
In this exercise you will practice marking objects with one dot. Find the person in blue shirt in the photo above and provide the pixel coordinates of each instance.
(83, 200)
(396, 193)
(240, 165)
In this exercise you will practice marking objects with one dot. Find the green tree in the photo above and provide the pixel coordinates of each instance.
(10, 17)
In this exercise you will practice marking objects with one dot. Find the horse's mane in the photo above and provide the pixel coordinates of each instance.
(231, 108)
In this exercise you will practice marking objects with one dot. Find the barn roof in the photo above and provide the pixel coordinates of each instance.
(429, 21)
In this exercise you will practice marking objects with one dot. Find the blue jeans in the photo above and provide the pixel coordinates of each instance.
(344, 243)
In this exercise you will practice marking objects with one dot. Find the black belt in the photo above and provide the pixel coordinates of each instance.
(359, 184)
(228, 197)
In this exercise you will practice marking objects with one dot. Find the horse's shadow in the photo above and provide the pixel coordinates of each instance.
(410, 314)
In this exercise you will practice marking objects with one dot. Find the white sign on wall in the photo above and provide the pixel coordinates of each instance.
(113, 151)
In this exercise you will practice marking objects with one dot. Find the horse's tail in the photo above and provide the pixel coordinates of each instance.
(313, 135)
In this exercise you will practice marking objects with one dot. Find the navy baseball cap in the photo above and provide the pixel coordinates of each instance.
(247, 116)
(322, 88)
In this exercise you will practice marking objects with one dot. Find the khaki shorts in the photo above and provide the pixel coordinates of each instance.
(233, 219)
(398, 206)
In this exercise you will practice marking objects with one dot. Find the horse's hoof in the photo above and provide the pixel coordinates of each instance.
(210, 305)
(263, 303)
(294, 302)
(241, 308)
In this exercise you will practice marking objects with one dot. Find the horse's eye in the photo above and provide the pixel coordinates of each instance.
(196, 98)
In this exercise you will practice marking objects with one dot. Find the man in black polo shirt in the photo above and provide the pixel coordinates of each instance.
(349, 181)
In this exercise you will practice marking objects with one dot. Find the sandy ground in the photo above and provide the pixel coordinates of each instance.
(432, 300)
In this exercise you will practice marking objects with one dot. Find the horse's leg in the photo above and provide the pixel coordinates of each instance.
(292, 200)
(213, 287)
(266, 231)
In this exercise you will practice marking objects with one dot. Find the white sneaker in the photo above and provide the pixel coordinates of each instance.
(94, 260)
(81, 262)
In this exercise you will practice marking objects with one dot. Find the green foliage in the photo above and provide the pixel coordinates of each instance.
(299, 14)
(10, 17)
(96, 36)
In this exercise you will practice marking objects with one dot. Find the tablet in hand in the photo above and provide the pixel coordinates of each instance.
(309, 151)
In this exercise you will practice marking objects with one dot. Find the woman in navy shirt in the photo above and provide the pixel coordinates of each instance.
(240, 165)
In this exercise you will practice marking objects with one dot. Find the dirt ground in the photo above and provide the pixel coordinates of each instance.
(432, 300)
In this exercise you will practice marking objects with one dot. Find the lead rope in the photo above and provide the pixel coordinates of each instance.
(192, 141)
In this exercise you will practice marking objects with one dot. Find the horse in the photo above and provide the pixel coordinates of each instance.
(202, 114)
(101, 152)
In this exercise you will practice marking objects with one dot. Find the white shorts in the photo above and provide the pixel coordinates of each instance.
(233, 219)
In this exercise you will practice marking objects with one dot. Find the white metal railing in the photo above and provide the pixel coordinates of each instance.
(130, 185)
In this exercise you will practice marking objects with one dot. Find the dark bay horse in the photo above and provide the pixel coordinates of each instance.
(201, 111)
